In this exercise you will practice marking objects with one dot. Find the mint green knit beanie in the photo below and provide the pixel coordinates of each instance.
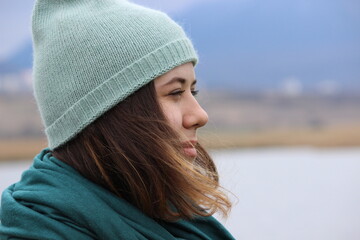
(89, 55)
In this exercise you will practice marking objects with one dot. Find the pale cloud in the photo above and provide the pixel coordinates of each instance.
(292, 87)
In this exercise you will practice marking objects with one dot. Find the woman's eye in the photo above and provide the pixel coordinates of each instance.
(177, 93)
(180, 92)
(194, 92)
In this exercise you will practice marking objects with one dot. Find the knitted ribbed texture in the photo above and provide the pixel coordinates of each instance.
(89, 55)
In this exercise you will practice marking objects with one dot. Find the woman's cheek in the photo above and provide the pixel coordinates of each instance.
(174, 116)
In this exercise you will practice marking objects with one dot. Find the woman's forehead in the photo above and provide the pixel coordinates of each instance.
(183, 74)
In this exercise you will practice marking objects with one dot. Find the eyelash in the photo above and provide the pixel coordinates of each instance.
(195, 92)
(180, 92)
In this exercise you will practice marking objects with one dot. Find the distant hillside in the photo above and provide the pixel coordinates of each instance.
(236, 121)
(228, 111)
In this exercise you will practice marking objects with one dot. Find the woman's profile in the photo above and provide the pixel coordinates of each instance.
(115, 87)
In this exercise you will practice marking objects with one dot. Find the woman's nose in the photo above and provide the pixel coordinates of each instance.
(194, 116)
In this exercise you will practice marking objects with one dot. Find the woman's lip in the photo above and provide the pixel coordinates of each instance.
(189, 148)
(190, 151)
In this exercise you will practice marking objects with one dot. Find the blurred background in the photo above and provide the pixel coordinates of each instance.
(280, 81)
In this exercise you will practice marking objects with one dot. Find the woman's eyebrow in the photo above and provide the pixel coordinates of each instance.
(180, 80)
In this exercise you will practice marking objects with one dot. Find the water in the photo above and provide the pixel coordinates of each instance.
(293, 193)
(10, 172)
(282, 193)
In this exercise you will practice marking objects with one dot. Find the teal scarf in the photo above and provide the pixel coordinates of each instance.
(53, 201)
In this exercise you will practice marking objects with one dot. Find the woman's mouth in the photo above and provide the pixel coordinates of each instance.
(189, 149)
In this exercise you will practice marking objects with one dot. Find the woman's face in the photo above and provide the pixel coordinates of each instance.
(176, 92)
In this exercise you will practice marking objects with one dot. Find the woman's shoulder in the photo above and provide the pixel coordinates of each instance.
(39, 205)
(53, 201)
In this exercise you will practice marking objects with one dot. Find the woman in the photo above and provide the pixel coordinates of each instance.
(115, 86)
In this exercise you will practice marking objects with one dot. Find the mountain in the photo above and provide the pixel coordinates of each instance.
(263, 45)
(18, 61)
(256, 44)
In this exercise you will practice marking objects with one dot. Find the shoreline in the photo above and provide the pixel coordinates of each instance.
(330, 137)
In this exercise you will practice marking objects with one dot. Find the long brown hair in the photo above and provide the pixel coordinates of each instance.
(133, 152)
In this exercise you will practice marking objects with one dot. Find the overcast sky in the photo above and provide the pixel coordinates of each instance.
(15, 24)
